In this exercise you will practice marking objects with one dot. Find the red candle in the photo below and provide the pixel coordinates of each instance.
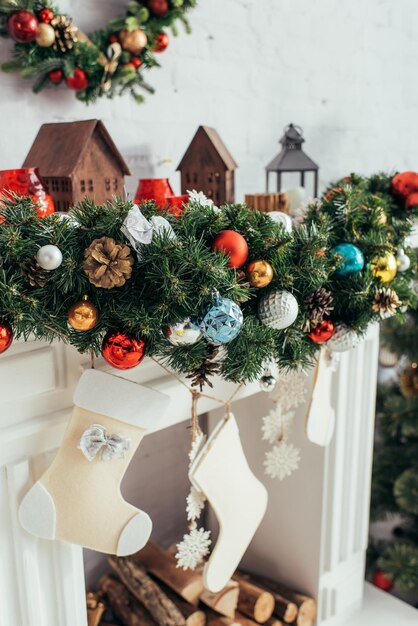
(175, 204)
(27, 182)
(158, 189)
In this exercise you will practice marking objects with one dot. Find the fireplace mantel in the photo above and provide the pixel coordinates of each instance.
(42, 582)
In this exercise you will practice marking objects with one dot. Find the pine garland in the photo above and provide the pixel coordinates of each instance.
(92, 54)
(175, 279)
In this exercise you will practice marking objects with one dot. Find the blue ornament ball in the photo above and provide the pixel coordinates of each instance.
(352, 259)
(222, 321)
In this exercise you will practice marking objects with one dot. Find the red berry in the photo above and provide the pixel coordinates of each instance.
(136, 62)
(158, 8)
(22, 26)
(45, 15)
(113, 39)
(161, 42)
(78, 81)
(55, 76)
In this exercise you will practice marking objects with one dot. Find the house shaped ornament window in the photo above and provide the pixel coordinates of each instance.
(292, 159)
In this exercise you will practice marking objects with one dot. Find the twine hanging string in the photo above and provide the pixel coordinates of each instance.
(196, 395)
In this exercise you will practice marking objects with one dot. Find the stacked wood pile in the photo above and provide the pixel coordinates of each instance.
(267, 202)
(147, 589)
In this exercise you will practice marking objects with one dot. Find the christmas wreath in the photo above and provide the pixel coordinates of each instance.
(51, 50)
(369, 221)
(212, 290)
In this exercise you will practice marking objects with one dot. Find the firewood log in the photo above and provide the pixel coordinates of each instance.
(123, 604)
(306, 606)
(192, 615)
(284, 609)
(163, 565)
(225, 601)
(214, 619)
(95, 608)
(133, 575)
(253, 601)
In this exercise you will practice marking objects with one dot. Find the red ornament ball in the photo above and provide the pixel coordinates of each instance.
(6, 336)
(159, 8)
(45, 15)
(55, 76)
(136, 62)
(234, 245)
(405, 184)
(22, 26)
(412, 200)
(322, 332)
(78, 81)
(122, 351)
(382, 580)
(161, 42)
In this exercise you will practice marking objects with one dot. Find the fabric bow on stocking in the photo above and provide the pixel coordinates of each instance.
(95, 438)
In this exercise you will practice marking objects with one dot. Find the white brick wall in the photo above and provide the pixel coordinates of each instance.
(344, 70)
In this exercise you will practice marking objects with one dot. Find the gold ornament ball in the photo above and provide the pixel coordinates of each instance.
(46, 35)
(384, 267)
(259, 273)
(83, 315)
(133, 41)
(382, 217)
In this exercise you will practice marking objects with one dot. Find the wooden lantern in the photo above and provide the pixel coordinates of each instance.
(208, 166)
(78, 160)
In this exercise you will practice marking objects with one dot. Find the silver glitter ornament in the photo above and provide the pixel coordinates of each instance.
(278, 309)
(267, 382)
(403, 261)
(184, 333)
(282, 218)
(343, 339)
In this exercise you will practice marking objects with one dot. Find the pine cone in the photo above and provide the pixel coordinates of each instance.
(65, 33)
(386, 301)
(318, 305)
(202, 374)
(408, 382)
(34, 274)
(107, 263)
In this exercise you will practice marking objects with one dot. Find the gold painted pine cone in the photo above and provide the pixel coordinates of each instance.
(108, 263)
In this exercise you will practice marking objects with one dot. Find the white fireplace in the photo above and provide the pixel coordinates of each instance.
(313, 537)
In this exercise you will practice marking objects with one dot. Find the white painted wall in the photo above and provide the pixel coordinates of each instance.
(342, 70)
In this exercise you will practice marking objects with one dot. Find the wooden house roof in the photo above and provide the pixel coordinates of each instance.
(58, 147)
(212, 135)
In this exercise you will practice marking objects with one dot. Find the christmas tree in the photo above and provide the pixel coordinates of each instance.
(395, 472)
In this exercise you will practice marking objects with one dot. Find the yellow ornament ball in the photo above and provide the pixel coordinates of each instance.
(83, 315)
(259, 273)
(384, 267)
(133, 41)
(46, 35)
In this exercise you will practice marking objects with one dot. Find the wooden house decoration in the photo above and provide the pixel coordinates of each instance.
(208, 166)
(78, 160)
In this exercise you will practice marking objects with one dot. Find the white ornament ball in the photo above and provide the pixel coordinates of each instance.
(343, 339)
(282, 218)
(278, 309)
(49, 257)
(387, 358)
(184, 333)
(403, 261)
